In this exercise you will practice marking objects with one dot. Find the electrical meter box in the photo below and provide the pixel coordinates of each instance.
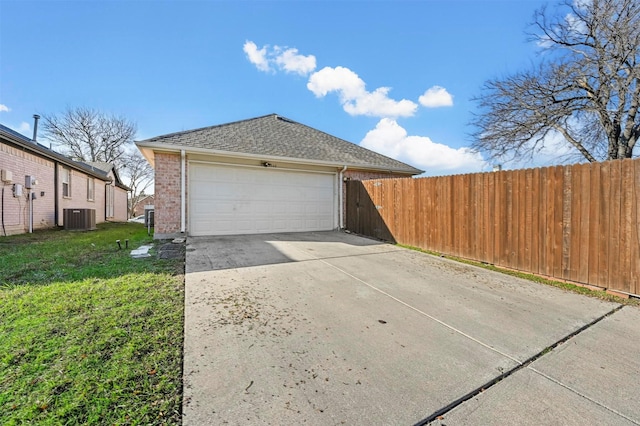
(17, 190)
(29, 182)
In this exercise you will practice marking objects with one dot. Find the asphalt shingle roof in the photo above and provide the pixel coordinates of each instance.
(25, 142)
(276, 136)
(98, 169)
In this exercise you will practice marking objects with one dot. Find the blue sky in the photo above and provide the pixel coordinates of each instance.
(396, 77)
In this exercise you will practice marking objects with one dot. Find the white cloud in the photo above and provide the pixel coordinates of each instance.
(257, 57)
(290, 61)
(576, 25)
(286, 59)
(4, 108)
(553, 150)
(354, 97)
(390, 139)
(435, 97)
(24, 127)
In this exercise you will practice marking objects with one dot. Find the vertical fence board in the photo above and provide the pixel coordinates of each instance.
(523, 242)
(455, 215)
(558, 204)
(534, 226)
(476, 192)
(566, 221)
(585, 222)
(397, 227)
(614, 224)
(486, 218)
(499, 231)
(437, 228)
(574, 224)
(426, 188)
(527, 220)
(447, 212)
(550, 195)
(489, 215)
(626, 195)
(595, 242)
(510, 217)
(470, 219)
(420, 219)
(635, 252)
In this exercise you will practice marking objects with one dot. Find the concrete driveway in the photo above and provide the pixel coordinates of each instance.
(331, 328)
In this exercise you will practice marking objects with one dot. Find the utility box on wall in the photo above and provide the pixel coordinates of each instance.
(30, 182)
(6, 176)
(79, 219)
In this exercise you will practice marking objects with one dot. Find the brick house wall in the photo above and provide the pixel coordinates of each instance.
(120, 206)
(15, 210)
(167, 193)
(78, 198)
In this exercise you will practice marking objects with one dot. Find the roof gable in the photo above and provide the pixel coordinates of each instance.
(108, 168)
(276, 136)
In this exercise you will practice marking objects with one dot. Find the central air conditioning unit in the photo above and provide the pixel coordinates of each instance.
(79, 219)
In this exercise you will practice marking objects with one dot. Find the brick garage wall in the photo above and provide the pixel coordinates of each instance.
(167, 193)
(22, 163)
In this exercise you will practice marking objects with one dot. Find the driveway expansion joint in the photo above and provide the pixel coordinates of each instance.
(437, 415)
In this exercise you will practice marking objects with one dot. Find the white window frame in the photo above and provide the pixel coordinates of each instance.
(66, 182)
(91, 189)
(109, 201)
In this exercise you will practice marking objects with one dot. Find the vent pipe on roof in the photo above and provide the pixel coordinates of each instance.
(36, 117)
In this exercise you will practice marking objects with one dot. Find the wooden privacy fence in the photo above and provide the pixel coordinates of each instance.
(577, 223)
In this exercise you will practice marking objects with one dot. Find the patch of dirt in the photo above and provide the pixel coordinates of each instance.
(247, 309)
(171, 250)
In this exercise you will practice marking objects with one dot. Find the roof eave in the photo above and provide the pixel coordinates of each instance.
(148, 148)
(51, 155)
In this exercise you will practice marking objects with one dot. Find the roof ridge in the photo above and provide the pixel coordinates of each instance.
(185, 132)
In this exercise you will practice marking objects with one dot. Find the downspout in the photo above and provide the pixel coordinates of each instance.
(3, 229)
(341, 195)
(56, 205)
(183, 191)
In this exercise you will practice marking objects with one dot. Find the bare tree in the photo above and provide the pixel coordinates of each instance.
(140, 175)
(586, 87)
(85, 134)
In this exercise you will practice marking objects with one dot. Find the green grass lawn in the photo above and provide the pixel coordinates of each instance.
(89, 335)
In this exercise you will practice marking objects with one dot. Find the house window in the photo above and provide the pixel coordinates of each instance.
(91, 188)
(66, 182)
(109, 200)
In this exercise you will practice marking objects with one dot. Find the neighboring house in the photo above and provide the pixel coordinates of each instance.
(61, 184)
(116, 194)
(265, 174)
(138, 208)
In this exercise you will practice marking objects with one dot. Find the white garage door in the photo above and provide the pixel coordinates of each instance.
(227, 200)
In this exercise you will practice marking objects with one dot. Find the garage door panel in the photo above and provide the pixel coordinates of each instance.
(239, 200)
